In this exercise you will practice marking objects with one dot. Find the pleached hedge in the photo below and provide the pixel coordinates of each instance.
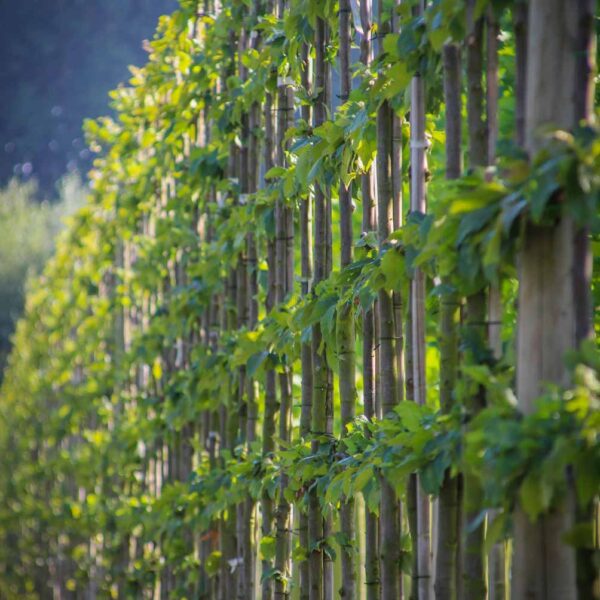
(276, 355)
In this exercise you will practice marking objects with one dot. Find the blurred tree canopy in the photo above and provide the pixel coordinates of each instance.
(28, 230)
(59, 61)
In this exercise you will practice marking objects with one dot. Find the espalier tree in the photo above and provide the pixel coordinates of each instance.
(325, 325)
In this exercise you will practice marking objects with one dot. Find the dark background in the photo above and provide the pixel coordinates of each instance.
(58, 61)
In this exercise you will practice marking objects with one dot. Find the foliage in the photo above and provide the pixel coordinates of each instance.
(27, 232)
(131, 354)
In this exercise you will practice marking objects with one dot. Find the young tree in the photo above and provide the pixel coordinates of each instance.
(475, 331)
(284, 232)
(418, 204)
(448, 507)
(372, 570)
(345, 331)
(268, 429)
(322, 392)
(306, 349)
(389, 521)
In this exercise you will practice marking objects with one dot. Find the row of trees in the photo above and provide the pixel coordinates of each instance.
(276, 356)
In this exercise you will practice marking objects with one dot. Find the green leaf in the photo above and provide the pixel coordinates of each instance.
(474, 221)
(542, 191)
(267, 547)
(299, 553)
(373, 496)
(392, 266)
(390, 43)
(363, 476)
(581, 535)
(432, 475)
(255, 361)
(587, 483)
(410, 415)
(212, 564)
(535, 495)
(314, 172)
(275, 172)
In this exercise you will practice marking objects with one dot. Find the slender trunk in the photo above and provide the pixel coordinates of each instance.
(520, 29)
(328, 530)
(587, 570)
(205, 586)
(554, 271)
(497, 555)
(389, 521)
(245, 508)
(347, 366)
(328, 562)
(319, 418)
(284, 251)
(345, 324)
(268, 430)
(397, 211)
(473, 568)
(448, 534)
(477, 127)
(305, 350)
(372, 572)
(254, 121)
(345, 193)
(372, 581)
(418, 204)
(397, 299)
(284, 258)
(492, 83)
(229, 426)
(229, 418)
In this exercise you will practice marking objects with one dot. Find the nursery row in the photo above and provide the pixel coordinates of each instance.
(324, 328)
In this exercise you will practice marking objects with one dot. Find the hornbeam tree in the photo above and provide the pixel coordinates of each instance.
(346, 342)
(389, 522)
(446, 583)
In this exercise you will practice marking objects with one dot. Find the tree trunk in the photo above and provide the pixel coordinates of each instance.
(473, 568)
(448, 533)
(554, 271)
(520, 29)
(474, 582)
(345, 324)
(397, 299)
(389, 521)
(268, 429)
(245, 589)
(372, 581)
(587, 570)
(328, 563)
(305, 350)
(418, 204)
(284, 274)
(497, 555)
(321, 373)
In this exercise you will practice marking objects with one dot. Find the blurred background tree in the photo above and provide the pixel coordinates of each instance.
(59, 61)
(28, 229)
